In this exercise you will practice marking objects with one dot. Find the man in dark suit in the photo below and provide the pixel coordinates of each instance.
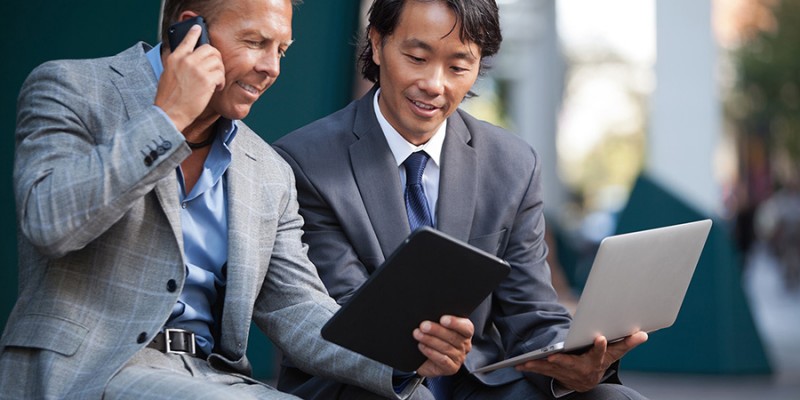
(480, 184)
(155, 226)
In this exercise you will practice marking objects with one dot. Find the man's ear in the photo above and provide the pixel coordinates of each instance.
(375, 40)
(187, 14)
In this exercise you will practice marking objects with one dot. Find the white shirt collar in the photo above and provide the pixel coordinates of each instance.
(400, 147)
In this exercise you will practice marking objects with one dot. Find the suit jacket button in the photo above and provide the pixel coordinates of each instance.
(154, 154)
(141, 338)
(148, 161)
(172, 285)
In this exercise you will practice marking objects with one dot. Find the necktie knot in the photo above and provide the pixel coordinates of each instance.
(415, 166)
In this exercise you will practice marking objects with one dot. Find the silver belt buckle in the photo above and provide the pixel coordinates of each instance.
(168, 341)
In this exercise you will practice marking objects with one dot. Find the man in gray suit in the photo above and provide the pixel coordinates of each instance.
(154, 226)
(481, 185)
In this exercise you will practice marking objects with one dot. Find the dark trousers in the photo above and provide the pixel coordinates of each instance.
(465, 387)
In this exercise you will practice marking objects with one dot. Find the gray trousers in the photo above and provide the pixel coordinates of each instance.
(151, 374)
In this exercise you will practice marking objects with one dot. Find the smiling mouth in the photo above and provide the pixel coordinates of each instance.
(423, 105)
(248, 88)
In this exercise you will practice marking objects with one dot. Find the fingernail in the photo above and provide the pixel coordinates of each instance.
(426, 326)
(446, 320)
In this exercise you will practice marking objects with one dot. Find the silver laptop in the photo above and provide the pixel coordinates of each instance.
(637, 282)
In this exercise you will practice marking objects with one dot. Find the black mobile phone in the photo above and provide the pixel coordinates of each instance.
(178, 30)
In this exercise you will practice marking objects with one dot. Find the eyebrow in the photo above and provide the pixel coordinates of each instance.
(259, 34)
(419, 44)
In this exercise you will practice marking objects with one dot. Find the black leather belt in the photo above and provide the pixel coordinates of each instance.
(175, 341)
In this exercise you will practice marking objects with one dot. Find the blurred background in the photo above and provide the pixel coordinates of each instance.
(644, 112)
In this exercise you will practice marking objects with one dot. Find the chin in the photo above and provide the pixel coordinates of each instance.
(239, 113)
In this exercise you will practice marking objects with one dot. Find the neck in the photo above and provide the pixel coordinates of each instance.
(202, 128)
(416, 140)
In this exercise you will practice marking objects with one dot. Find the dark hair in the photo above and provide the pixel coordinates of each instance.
(207, 8)
(174, 8)
(480, 24)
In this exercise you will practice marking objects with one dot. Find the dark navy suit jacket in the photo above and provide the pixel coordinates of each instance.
(489, 196)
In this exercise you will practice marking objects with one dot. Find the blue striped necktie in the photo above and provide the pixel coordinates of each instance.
(419, 214)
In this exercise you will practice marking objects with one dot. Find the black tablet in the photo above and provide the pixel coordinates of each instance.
(429, 275)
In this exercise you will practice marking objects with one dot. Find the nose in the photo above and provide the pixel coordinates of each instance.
(269, 63)
(433, 83)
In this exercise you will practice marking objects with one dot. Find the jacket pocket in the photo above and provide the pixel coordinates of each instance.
(46, 332)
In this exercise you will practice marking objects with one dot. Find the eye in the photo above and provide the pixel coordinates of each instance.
(254, 43)
(459, 70)
(415, 59)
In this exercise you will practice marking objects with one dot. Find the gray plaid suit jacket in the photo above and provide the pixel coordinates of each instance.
(100, 237)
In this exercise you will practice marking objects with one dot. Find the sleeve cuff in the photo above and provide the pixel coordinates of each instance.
(402, 379)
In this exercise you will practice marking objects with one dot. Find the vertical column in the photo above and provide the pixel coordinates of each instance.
(531, 62)
(685, 111)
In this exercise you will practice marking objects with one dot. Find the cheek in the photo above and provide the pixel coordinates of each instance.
(235, 65)
(462, 88)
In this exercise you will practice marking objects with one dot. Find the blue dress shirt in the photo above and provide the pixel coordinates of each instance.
(204, 224)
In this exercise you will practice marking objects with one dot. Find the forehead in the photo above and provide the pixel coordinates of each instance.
(271, 18)
(431, 25)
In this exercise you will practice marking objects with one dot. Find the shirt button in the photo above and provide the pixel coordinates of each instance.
(141, 338)
(172, 285)
(184, 205)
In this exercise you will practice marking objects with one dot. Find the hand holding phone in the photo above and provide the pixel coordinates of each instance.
(178, 31)
(191, 76)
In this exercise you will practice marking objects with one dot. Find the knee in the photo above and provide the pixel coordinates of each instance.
(422, 393)
(610, 391)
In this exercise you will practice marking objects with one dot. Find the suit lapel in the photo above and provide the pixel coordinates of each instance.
(243, 259)
(457, 183)
(167, 194)
(373, 162)
(136, 82)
